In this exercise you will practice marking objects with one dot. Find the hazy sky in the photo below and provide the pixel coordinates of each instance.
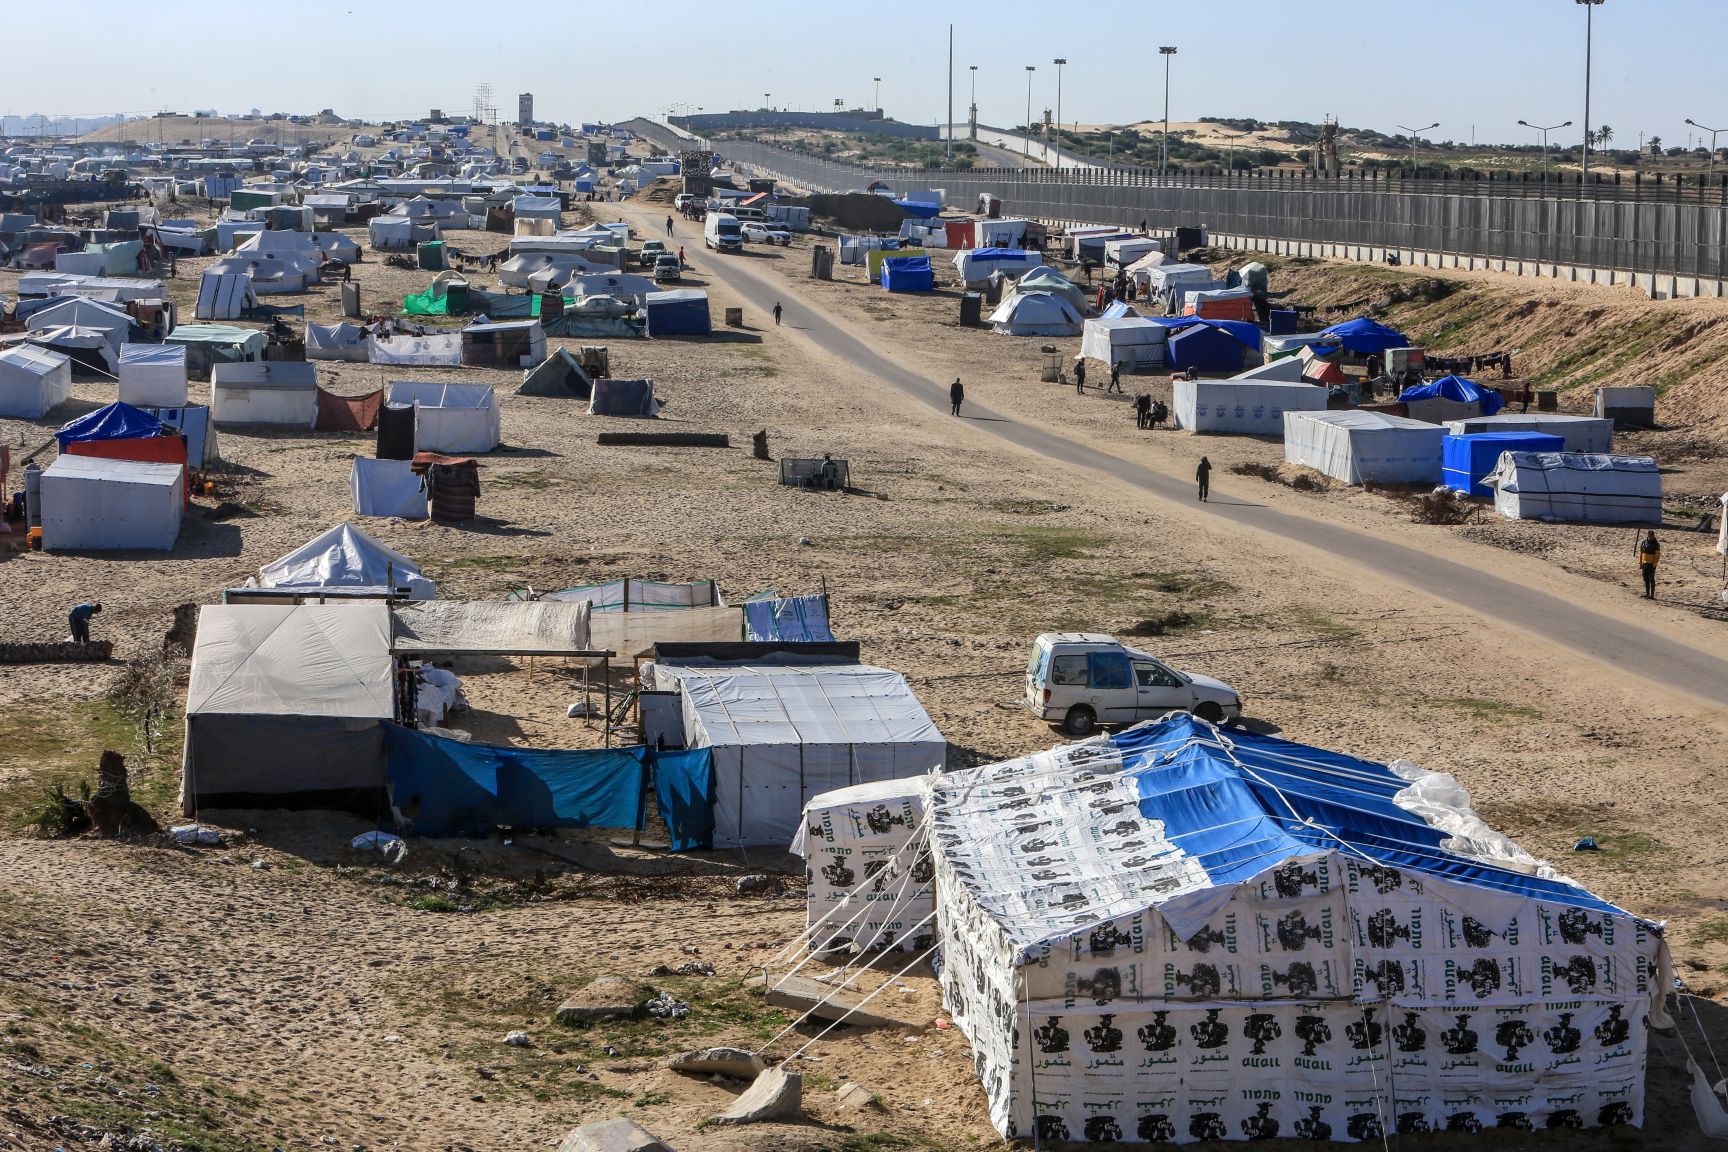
(1470, 64)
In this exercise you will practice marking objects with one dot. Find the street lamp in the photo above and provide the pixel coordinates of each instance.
(878, 104)
(1059, 61)
(1233, 137)
(972, 108)
(1711, 178)
(1589, 30)
(1026, 147)
(1164, 145)
(1545, 131)
(1415, 131)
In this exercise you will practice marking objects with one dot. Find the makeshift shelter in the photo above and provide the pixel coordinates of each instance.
(872, 832)
(546, 208)
(514, 344)
(681, 312)
(1355, 446)
(1577, 487)
(1288, 371)
(437, 350)
(560, 374)
(508, 628)
(1449, 398)
(345, 560)
(1172, 935)
(1318, 371)
(399, 233)
(1134, 342)
(1467, 460)
(191, 421)
(1205, 348)
(33, 381)
(1633, 407)
(1581, 433)
(1125, 251)
(287, 706)
(1167, 282)
(788, 619)
(450, 418)
(278, 392)
(91, 502)
(610, 397)
(208, 345)
(225, 296)
(856, 249)
(1365, 337)
(89, 351)
(116, 421)
(781, 735)
(1240, 407)
(618, 285)
(116, 324)
(389, 488)
(908, 274)
(977, 265)
(1220, 304)
(1036, 314)
(1048, 281)
(153, 375)
(341, 341)
(334, 413)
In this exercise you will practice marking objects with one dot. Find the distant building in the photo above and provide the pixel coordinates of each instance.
(525, 109)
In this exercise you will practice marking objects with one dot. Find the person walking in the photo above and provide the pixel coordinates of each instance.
(1203, 475)
(956, 395)
(78, 620)
(1079, 376)
(1649, 554)
(776, 313)
(668, 225)
(1116, 377)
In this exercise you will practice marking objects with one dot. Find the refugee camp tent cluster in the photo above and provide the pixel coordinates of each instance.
(1174, 935)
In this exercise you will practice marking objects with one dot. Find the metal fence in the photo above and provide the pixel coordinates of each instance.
(1639, 227)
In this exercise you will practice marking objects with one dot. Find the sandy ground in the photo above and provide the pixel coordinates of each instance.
(280, 992)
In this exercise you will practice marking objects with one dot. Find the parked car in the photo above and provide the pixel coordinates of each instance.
(667, 269)
(652, 250)
(1084, 679)
(766, 233)
(720, 232)
(683, 200)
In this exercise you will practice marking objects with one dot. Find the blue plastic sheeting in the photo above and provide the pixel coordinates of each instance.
(1456, 388)
(1240, 810)
(1465, 460)
(1204, 348)
(1243, 332)
(684, 792)
(1116, 310)
(116, 422)
(1366, 337)
(908, 274)
(797, 618)
(919, 210)
(682, 312)
(447, 788)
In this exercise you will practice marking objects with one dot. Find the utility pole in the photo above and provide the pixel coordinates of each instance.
(1026, 148)
(1059, 61)
(1164, 145)
(950, 132)
(1589, 28)
(972, 111)
(1545, 131)
(1711, 178)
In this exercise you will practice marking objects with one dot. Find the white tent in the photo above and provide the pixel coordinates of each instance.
(288, 700)
(399, 233)
(1134, 342)
(1288, 370)
(524, 266)
(1585, 488)
(867, 863)
(342, 341)
(225, 295)
(114, 323)
(450, 418)
(1140, 268)
(783, 735)
(1581, 433)
(91, 502)
(1242, 407)
(1355, 446)
(193, 422)
(389, 488)
(438, 350)
(618, 285)
(1126, 252)
(258, 392)
(348, 560)
(1036, 314)
(33, 381)
(1169, 281)
(1048, 280)
(546, 208)
(976, 265)
(153, 375)
(269, 274)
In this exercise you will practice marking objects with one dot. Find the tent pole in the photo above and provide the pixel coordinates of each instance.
(607, 672)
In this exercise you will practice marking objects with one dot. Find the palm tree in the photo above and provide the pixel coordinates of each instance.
(1655, 146)
(1603, 135)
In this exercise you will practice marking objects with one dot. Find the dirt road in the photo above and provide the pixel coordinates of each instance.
(1627, 646)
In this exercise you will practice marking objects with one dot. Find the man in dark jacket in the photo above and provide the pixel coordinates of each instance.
(1203, 475)
(956, 395)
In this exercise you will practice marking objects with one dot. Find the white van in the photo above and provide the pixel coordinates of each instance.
(1084, 679)
(723, 233)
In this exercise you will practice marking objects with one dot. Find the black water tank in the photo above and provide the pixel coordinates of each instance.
(396, 432)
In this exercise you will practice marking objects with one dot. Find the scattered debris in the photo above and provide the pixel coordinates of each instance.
(195, 834)
(1587, 844)
(519, 1039)
(392, 848)
(776, 1095)
(736, 1063)
(760, 884)
(665, 1006)
(856, 1097)
(693, 968)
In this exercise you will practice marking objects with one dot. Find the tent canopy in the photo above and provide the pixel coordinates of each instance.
(117, 421)
(1457, 389)
(511, 628)
(1365, 337)
(1037, 314)
(560, 374)
(347, 558)
(293, 660)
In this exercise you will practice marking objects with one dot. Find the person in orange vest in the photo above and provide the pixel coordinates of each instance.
(1649, 554)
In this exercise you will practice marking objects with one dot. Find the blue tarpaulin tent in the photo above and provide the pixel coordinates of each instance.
(1465, 460)
(682, 312)
(918, 210)
(1455, 388)
(684, 793)
(1204, 348)
(1366, 337)
(1245, 333)
(908, 274)
(115, 422)
(799, 618)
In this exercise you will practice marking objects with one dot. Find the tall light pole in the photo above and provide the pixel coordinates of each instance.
(1413, 132)
(1026, 148)
(1059, 61)
(1164, 145)
(1589, 31)
(878, 100)
(1545, 131)
(1711, 178)
(950, 132)
(972, 108)
(1233, 137)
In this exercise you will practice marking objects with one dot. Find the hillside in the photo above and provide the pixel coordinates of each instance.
(191, 130)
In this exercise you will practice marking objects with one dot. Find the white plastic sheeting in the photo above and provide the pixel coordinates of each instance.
(33, 381)
(1242, 407)
(1132, 341)
(1581, 487)
(632, 633)
(518, 628)
(434, 351)
(90, 502)
(258, 392)
(1036, 314)
(224, 296)
(1288, 370)
(450, 418)
(867, 863)
(348, 559)
(153, 375)
(1580, 433)
(389, 488)
(343, 341)
(193, 422)
(1354, 446)
(783, 735)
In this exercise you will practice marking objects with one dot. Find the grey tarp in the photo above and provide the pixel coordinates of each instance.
(513, 628)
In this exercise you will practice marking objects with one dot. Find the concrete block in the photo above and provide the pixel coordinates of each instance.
(616, 1135)
(738, 1063)
(855, 1098)
(776, 1095)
